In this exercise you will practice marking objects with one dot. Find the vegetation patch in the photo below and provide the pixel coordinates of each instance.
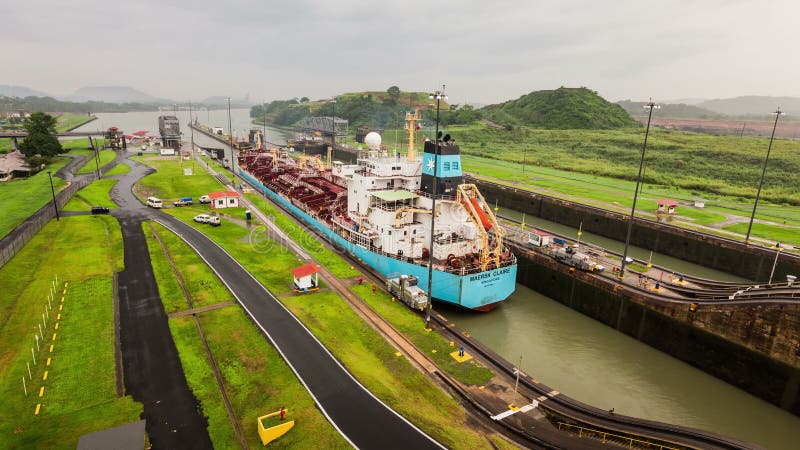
(777, 233)
(24, 196)
(169, 181)
(98, 193)
(83, 251)
(119, 169)
(91, 165)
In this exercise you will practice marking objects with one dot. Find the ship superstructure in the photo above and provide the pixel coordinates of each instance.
(380, 210)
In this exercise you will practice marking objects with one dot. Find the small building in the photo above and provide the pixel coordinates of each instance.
(167, 151)
(539, 238)
(699, 203)
(306, 277)
(226, 199)
(666, 206)
(13, 165)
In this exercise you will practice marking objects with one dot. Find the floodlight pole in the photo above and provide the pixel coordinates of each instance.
(264, 132)
(230, 139)
(438, 95)
(333, 134)
(650, 105)
(778, 113)
(53, 190)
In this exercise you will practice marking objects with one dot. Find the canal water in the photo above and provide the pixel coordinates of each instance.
(570, 352)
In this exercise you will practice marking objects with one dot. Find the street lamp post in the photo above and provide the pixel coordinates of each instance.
(264, 137)
(650, 106)
(333, 135)
(438, 95)
(230, 139)
(53, 190)
(778, 113)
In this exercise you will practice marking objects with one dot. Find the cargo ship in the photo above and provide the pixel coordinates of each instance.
(380, 210)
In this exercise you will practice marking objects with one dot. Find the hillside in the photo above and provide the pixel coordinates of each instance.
(672, 110)
(562, 108)
(376, 109)
(19, 91)
(755, 105)
(113, 94)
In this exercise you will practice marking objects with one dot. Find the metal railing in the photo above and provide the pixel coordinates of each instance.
(590, 432)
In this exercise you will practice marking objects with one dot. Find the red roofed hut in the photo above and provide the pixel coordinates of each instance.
(306, 278)
(226, 199)
(666, 206)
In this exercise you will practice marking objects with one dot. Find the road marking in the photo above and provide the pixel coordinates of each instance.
(44, 377)
(41, 391)
(38, 406)
(56, 325)
(510, 412)
(54, 336)
(51, 348)
(48, 361)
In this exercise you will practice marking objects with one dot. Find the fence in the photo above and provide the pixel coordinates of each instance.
(17, 238)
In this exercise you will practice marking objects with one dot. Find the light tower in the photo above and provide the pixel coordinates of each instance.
(439, 96)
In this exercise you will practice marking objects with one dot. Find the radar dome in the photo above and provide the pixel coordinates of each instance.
(373, 140)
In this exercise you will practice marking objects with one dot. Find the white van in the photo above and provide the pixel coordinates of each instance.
(154, 202)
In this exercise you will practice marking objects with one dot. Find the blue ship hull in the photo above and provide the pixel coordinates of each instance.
(481, 291)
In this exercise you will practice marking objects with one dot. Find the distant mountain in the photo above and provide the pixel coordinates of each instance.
(20, 91)
(562, 108)
(113, 94)
(219, 100)
(685, 101)
(672, 111)
(752, 105)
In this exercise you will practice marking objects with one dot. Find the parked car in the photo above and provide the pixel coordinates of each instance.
(100, 210)
(202, 218)
(214, 221)
(205, 199)
(184, 201)
(154, 202)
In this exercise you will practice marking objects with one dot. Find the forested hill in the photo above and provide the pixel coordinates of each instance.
(562, 108)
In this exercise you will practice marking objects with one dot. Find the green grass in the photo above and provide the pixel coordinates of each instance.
(95, 194)
(80, 144)
(119, 169)
(68, 121)
(412, 327)
(197, 370)
(306, 239)
(168, 182)
(83, 251)
(202, 284)
(775, 233)
(24, 196)
(106, 156)
(259, 382)
(391, 378)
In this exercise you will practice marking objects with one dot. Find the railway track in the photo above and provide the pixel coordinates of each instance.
(548, 398)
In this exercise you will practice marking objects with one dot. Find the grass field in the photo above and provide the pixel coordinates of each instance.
(255, 377)
(68, 121)
(83, 251)
(775, 233)
(95, 194)
(106, 156)
(119, 169)
(24, 196)
(169, 182)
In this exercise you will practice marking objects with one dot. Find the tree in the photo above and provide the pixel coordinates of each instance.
(394, 93)
(304, 100)
(41, 139)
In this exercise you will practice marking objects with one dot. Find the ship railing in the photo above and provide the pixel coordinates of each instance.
(451, 198)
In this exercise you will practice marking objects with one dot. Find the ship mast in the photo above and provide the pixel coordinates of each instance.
(412, 117)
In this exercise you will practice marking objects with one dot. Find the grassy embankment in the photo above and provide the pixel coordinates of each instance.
(70, 121)
(253, 374)
(95, 194)
(363, 351)
(23, 197)
(106, 156)
(599, 167)
(83, 251)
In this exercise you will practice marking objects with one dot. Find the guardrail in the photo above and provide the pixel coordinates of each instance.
(605, 435)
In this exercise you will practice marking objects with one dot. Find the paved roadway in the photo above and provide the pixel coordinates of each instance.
(359, 416)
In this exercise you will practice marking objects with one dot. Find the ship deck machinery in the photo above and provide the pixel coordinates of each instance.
(383, 204)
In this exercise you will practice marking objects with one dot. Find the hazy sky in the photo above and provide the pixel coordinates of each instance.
(485, 51)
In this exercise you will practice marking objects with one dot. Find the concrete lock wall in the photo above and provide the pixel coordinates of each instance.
(751, 347)
(730, 256)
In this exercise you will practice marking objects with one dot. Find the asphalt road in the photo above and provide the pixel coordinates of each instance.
(360, 417)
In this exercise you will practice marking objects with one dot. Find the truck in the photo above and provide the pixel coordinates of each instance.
(405, 289)
(183, 201)
(572, 257)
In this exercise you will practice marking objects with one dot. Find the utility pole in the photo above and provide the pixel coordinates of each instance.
(230, 139)
(778, 113)
(651, 106)
(438, 95)
(53, 190)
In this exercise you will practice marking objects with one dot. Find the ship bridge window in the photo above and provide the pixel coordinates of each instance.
(395, 167)
(446, 166)
(455, 166)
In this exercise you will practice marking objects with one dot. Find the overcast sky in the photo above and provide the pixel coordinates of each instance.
(484, 51)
